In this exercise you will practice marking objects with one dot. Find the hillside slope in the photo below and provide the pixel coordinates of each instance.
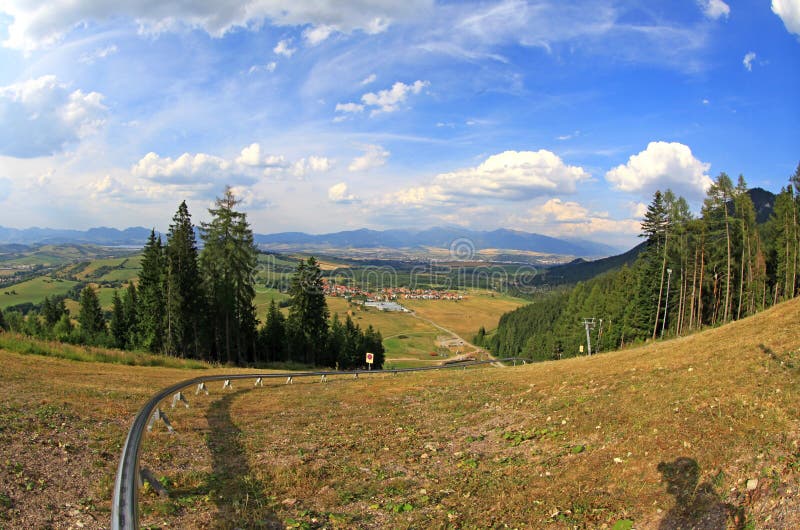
(697, 432)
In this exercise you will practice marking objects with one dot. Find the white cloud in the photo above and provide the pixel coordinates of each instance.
(250, 155)
(349, 107)
(313, 164)
(374, 156)
(748, 60)
(269, 67)
(369, 79)
(389, 100)
(206, 170)
(715, 9)
(508, 176)
(569, 218)
(185, 168)
(339, 193)
(317, 34)
(638, 209)
(100, 53)
(789, 11)
(41, 116)
(284, 47)
(662, 165)
(41, 24)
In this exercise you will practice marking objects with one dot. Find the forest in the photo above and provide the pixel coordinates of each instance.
(694, 272)
(199, 304)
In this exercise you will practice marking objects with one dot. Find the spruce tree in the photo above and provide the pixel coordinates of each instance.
(151, 295)
(117, 325)
(184, 300)
(90, 316)
(227, 265)
(309, 311)
(130, 314)
(272, 337)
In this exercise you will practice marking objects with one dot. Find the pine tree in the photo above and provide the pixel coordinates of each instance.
(184, 300)
(130, 314)
(151, 295)
(90, 316)
(117, 325)
(227, 265)
(272, 337)
(309, 311)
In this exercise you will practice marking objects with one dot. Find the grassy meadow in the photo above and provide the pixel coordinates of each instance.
(697, 432)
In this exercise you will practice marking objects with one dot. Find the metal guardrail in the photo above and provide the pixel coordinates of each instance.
(125, 504)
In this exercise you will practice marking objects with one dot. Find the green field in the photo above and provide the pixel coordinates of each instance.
(33, 291)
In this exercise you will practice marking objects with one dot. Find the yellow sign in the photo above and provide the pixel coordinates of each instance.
(581, 348)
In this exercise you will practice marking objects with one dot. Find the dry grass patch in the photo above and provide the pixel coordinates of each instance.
(671, 433)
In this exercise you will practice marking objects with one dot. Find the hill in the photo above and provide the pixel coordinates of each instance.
(685, 433)
(469, 242)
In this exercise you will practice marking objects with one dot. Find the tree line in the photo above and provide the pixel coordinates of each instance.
(695, 272)
(199, 303)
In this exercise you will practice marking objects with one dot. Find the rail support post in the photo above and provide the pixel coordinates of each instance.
(259, 382)
(201, 388)
(158, 415)
(147, 475)
(227, 384)
(289, 380)
(324, 379)
(179, 397)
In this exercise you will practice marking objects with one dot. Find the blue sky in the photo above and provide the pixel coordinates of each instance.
(553, 117)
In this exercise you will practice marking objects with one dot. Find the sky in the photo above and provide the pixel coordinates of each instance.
(547, 116)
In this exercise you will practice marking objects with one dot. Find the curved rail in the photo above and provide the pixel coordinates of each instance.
(125, 504)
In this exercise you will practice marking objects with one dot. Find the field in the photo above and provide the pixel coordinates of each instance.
(465, 317)
(33, 291)
(699, 432)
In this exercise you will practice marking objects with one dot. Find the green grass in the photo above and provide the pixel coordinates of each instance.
(33, 291)
(25, 345)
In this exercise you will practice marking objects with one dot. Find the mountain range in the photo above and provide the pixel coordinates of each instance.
(459, 241)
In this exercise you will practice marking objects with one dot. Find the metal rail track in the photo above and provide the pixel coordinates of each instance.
(125, 503)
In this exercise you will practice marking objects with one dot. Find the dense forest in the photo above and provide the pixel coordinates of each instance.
(200, 304)
(694, 272)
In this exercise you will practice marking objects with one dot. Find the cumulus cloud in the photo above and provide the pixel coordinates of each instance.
(507, 176)
(715, 9)
(37, 24)
(662, 165)
(339, 193)
(748, 60)
(369, 79)
(388, 100)
(284, 47)
(205, 169)
(41, 116)
(374, 156)
(569, 218)
(317, 34)
(789, 11)
(186, 168)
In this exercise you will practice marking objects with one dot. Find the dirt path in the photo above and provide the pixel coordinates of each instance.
(479, 351)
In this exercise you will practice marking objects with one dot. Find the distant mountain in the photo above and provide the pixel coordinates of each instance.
(580, 270)
(764, 202)
(438, 237)
(95, 236)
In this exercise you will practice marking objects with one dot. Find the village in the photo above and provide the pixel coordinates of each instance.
(387, 294)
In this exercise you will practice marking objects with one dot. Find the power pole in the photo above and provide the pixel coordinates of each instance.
(666, 303)
(588, 324)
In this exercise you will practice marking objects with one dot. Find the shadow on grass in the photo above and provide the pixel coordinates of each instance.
(696, 507)
(240, 497)
(784, 361)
